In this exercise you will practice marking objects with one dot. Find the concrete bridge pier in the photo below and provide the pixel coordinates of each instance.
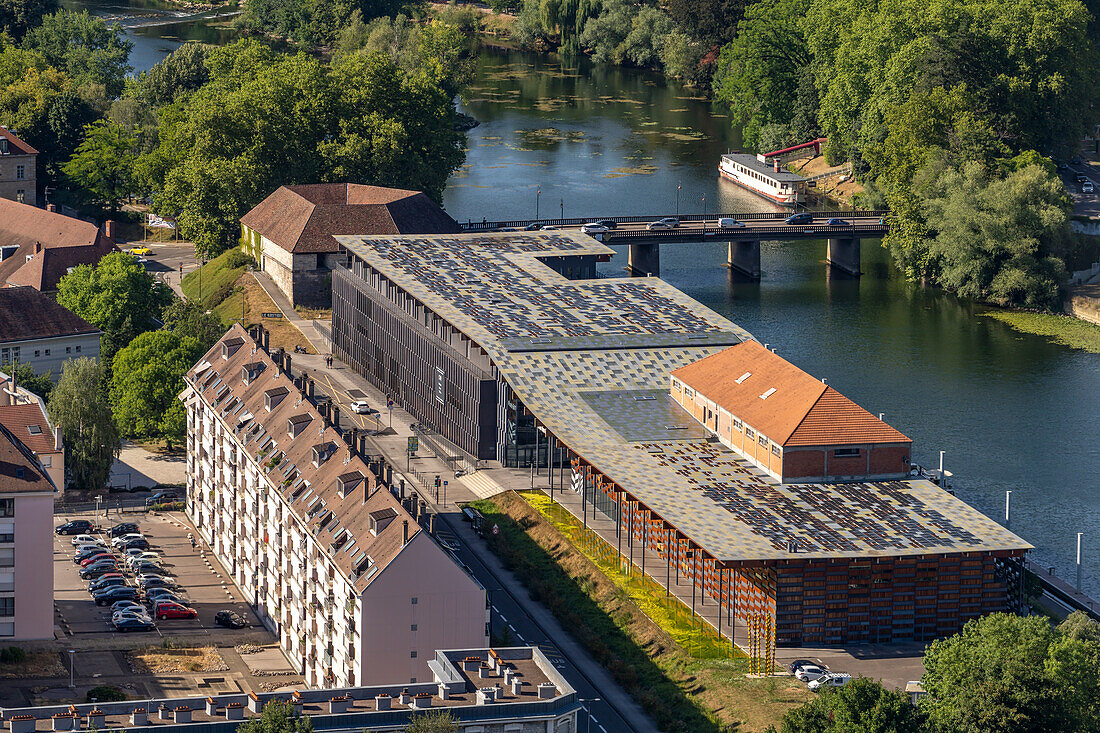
(843, 255)
(744, 257)
(644, 260)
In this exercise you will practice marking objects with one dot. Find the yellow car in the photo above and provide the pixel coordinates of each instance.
(139, 251)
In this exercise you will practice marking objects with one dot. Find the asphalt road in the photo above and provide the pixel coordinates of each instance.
(166, 259)
(712, 225)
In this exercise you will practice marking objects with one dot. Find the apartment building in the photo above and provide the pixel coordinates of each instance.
(331, 559)
(26, 543)
(37, 331)
(24, 414)
(18, 179)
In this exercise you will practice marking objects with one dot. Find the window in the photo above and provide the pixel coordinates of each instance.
(413, 628)
(775, 450)
(763, 440)
(68, 349)
(414, 600)
(7, 534)
(78, 349)
(7, 507)
(20, 195)
(412, 654)
(20, 172)
(7, 557)
(37, 352)
(750, 433)
(47, 352)
(7, 606)
(34, 429)
(845, 452)
(736, 423)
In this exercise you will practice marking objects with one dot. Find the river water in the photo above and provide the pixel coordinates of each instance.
(1013, 411)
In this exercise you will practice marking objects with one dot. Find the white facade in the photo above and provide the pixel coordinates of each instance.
(50, 354)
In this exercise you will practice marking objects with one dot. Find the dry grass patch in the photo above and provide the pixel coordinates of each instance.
(249, 302)
(35, 664)
(156, 660)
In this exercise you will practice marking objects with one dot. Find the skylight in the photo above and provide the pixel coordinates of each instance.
(743, 377)
(768, 394)
(34, 429)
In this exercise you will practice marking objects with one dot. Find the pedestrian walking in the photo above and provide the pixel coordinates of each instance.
(191, 539)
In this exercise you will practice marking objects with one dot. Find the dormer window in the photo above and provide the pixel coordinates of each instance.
(381, 519)
(346, 483)
(273, 397)
(249, 372)
(296, 424)
(322, 452)
(230, 346)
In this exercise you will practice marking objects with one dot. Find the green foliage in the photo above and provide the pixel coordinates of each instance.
(644, 36)
(79, 405)
(181, 72)
(861, 706)
(436, 721)
(709, 21)
(186, 318)
(105, 693)
(998, 238)
(116, 294)
(266, 119)
(12, 655)
(277, 717)
(42, 104)
(215, 279)
(103, 163)
(1003, 674)
(88, 50)
(19, 16)
(312, 22)
(39, 384)
(147, 378)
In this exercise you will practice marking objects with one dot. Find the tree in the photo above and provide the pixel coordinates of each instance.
(710, 21)
(19, 16)
(79, 405)
(436, 721)
(103, 164)
(116, 294)
(147, 378)
(1004, 673)
(181, 72)
(25, 377)
(277, 717)
(186, 318)
(84, 47)
(861, 706)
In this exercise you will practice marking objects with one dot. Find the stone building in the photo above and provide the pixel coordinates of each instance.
(18, 181)
(290, 233)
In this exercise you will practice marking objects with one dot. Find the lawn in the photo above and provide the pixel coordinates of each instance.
(213, 282)
(680, 691)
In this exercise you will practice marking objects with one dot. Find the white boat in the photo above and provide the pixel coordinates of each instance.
(763, 177)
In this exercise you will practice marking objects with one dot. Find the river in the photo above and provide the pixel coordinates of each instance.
(1013, 411)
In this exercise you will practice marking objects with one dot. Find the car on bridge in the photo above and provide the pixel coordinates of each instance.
(594, 228)
(839, 222)
(727, 223)
(661, 225)
(532, 227)
(608, 223)
(802, 218)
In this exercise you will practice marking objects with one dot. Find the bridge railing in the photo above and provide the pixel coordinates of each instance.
(751, 234)
(489, 226)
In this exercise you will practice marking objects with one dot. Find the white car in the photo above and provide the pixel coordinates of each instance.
(130, 613)
(132, 560)
(829, 680)
(548, 228)
(90, 546)
(726, 223)
(672, 221)
(810, 672)
(87, 539)
(133, 606)
(123, 539)
(655, 225)
(1087, 187)
(360, 407)
(594, 228)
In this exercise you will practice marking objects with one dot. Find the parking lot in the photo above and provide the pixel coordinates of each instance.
(202, 583)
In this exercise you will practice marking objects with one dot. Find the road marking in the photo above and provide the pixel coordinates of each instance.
(504, 618)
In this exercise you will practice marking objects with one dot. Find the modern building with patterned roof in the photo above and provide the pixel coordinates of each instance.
(511, 347)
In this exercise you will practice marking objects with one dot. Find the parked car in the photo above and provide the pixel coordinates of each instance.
(139, 543)
(103, 582)
(834, 222)
(658, 226)
(508, 229)
(727, 223)
(122, 539)
(77, 526)
(86, 539)
(97, 557)
(128, 606)
(139, 251)
(97, 570)
(1081, 178)
(153, 596)
(594, 228)
(230, 620)
(803, 218)
(168, 609)
(810, 672)
(798, 664)
(130, 613)
(148, 567)
(115, 594)
(135, 624)
(608, 223)
(84, 553)
(122, 529)
(360, 407)
(144, 582)
(162, 497)
(135, 556)
(830, 680)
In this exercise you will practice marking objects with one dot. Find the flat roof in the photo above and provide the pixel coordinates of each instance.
(604, 394)
(755, 164)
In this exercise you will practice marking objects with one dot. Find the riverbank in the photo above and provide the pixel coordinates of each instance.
(1067, 330)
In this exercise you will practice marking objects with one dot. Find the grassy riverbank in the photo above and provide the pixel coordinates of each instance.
(681, 692)
(1065, 330)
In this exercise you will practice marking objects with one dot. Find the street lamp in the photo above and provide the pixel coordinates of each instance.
(72, 667)
(538, 195)
(563, 209)
(704, 213)
(587, 709)
(678, 186)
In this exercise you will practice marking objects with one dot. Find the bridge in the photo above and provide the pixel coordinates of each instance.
(643, 254)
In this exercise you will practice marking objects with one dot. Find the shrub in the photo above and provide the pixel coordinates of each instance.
(105, 693)
(12, 655)
(237, 258)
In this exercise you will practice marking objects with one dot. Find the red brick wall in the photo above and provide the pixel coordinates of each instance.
(803, 463)
(808, 463)
(887, 459)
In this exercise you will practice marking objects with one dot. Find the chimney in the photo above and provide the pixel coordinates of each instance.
(267, 339)
(286, 362)
(52, 208)
(405, 533)
(37, 247)
(823, 380)
(777, 165)
(335, 412)
(109, 229)
(57, 443)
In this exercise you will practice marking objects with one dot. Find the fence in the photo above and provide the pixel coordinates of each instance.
(690, 631)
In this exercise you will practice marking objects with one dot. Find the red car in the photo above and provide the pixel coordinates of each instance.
(170, 609)
(97, 558)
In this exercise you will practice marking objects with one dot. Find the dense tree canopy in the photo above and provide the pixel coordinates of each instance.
(186, 318)
(146, 379)
(84, 47)
(180, 72)
(103, 164)
(25, 377)
(116, 294)
(80, 406)
(312, 22)
(861, 706)
(266, 119)
(19, 16)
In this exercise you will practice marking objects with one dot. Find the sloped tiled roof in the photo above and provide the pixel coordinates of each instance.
(49, 244)
(20, 472)
(801, 410)
(303, 219)
(25, 313)
(16, 145)
(218, 382)
(22, 420)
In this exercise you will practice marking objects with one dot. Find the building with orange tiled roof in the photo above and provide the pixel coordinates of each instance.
(791, 425)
